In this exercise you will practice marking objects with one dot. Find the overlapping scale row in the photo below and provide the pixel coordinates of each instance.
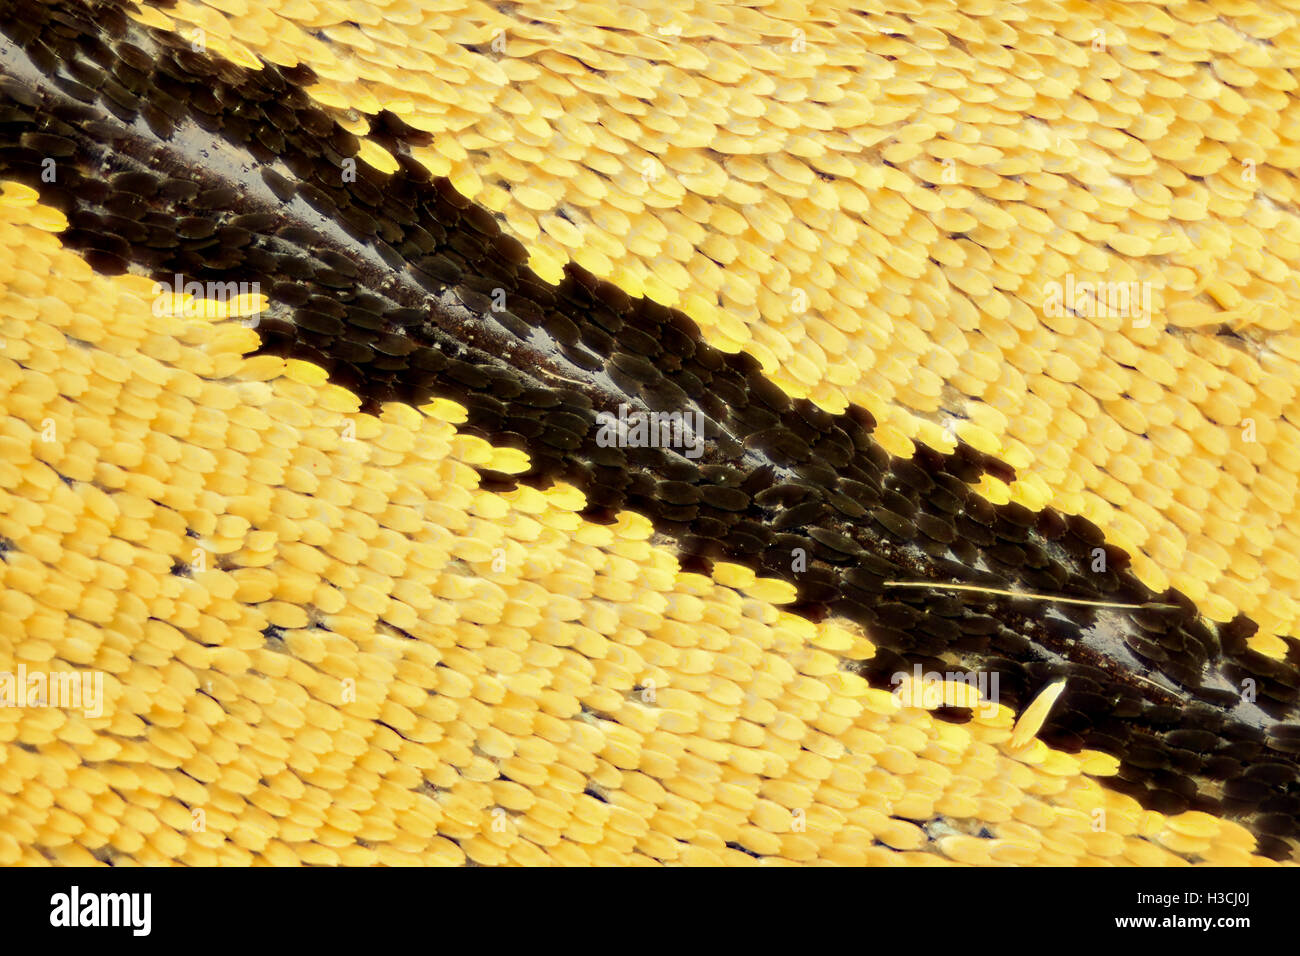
(326, 643)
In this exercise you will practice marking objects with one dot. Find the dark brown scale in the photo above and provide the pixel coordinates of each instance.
(898, 616)
(128, 230)
(840, 544)
(896, 525)
(834, 450)
(78, 91)
(781, 443)
(725, 499)
(800, 515)
(638, 367)
(740, 542)
(912, 476)
(785, 495)
(332, 279)
(941, 531)
(846, 507)
(750, 418)
(55, 147)
(106, 262)
(944, 501)
(977, 509)
(861, 492)
(127, 101)
(1008, 555)
(282, 188)
(678, 493)
(898, 504)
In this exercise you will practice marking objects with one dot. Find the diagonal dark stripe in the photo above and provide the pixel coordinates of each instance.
(173, 162)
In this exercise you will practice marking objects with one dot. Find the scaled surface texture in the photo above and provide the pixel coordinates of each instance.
(312, 314)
